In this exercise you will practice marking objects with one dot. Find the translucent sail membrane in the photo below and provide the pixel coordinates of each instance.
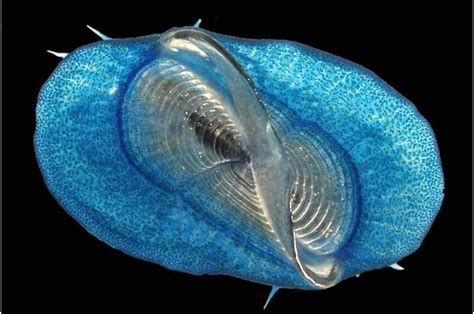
(323, 199)
(322, 205)
(195, 112)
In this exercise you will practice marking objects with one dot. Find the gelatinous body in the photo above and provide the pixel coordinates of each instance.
(265, 160)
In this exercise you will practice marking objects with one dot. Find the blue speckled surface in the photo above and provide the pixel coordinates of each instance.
(80, 151)
(390, 143)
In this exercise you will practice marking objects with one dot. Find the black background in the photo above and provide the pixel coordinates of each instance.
(52, 264)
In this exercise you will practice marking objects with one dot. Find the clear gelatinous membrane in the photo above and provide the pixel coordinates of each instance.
(194, 112)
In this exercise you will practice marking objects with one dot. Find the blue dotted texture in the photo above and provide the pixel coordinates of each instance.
(80, 151)
(391, 145)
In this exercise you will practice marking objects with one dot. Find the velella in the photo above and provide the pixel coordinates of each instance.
(265, 160)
